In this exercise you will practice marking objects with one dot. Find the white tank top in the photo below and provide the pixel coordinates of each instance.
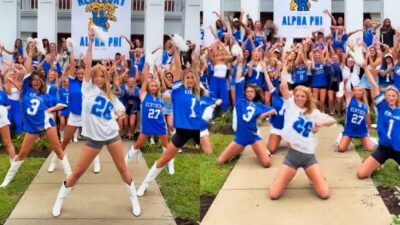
(220, 70)
(166, 94)
(15, 94)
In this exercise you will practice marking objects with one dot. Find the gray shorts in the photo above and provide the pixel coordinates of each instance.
(99, 144)
(296, 159)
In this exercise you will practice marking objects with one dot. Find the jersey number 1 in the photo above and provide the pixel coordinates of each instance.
(102, 108)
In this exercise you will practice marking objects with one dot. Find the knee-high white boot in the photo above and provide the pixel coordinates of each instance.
(62, 194)
(96, 164)
(170, 166)
(75, 139)
(65, 165)
(12, 171)
(136, 210)
(151, 175)
(52, 165)
(132, 154)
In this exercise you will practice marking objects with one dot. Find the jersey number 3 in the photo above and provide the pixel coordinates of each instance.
(302, 127)
(250, 112)
(102, 108)
(34, 107)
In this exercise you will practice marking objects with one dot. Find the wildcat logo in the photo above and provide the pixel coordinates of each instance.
(301, 5)
(102, 12)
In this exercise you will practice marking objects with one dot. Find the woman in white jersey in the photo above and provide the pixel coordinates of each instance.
(99, 110)
(302, 119)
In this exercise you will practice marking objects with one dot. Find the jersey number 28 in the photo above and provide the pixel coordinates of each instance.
(102, 108)
(302, 127)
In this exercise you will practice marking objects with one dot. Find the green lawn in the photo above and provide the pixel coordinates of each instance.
(10, 196)
(195, 175)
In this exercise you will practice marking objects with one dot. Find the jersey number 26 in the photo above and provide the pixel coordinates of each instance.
(102, 108)
(302, 127)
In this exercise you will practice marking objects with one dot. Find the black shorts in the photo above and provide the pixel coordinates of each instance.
(334, 86)
(182, 136)
(383, 153)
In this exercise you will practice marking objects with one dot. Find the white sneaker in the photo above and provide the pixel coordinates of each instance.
(152, 142)
(136, 210)
(180, 151)
(151, 176)
(96, 164)
(12, 171)
(52, 165)
(62, 194)
(75, 139)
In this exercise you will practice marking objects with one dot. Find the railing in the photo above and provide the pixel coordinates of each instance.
(171, 6)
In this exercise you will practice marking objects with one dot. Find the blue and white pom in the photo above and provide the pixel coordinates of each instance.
(100, 34)
(39, 46)
(340, 93)
(236, 50)
(70, 44)
(179, 43)
(375, 141)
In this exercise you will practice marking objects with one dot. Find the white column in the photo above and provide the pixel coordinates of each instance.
(153, 25)
(47, 20)
(390, 10)
(210, 6)
(353, 16)
(9, 26)
(191, 29)
(251, 7)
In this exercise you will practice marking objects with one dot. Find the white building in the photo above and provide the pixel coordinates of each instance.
(19, 18)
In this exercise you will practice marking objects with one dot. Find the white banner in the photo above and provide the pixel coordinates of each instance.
(113, 17)
(299, 18)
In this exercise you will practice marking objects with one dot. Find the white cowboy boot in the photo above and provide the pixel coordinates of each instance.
(75, 139)
(134, 199)
(65, 165)
(132, 154)
(151, 175)
(96, 164)
(170, 166)
(62, 194)
(12, 171)
(52, 165)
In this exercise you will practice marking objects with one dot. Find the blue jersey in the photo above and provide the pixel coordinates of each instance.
(20, 51)
(153, 122)
(64, 99)
(396, 71)
(204, 80)
(319, 77)
(34, 110)
(131, 99)
(186, 108)
(139, 63)
(256, 77)
(166, 58)
(388, 120)
(386, 80)
(75, 96)
(206, 110)
(356, 124)
(51, 95)
(236, 35)
(278, 120)
(368, 37)
(120, 94)
(247, 112)
(300, 75)
(220, 33)
(259, 40)
(339, 43)
(4, 99)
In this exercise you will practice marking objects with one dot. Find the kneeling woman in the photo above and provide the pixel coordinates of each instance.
(302, 119)
(387, 105)
(249, 109)
(357, 118)
(100, 128)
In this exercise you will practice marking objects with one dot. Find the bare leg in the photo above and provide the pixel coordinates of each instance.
(282, 179)
(369, 166)
(344, 144)
(262, 155)
(5, 136)
(273, 142)
(231, 151)
(315, 175)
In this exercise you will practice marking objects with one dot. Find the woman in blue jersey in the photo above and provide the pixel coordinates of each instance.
(373, 59)
(18, 49)
(221, 26)
(64, 97)
(302, 120)
(369, 31)
(13, 87)
(153, 122)
(319, 79)
(132, 102)
(52, 90)
(386, 73)
(166, 79)
(186, 107)
(100, 108)
(37, 120)
(358, 121)
(334, 77)
(249, 108)
(255, 75)
(387, 104)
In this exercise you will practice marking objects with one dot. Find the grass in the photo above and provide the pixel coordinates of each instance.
(10, 196)
(195, 175)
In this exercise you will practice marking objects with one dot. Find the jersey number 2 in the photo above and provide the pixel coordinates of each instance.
(302, 127)
(102, 108)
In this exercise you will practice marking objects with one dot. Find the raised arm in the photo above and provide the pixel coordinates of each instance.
(145, 81)
(10, 52)
(176, 68)
(131, 45)
(267, 78)
(221, 19)
(284, 88)
(331, 16)
(89, 56)
(353, 32)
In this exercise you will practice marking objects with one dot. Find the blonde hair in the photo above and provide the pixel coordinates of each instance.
(195, 70)
(55, 78)
(310, 104)
(99, 70)
(158, 94)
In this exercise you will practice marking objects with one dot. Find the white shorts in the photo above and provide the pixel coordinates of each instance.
(275, 131)
(74, 120)
(204, 133)
(3, 117)
(48, 120)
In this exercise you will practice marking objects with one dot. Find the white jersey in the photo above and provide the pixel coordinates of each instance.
(298, 127)
(353, 78)
(99, 113)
